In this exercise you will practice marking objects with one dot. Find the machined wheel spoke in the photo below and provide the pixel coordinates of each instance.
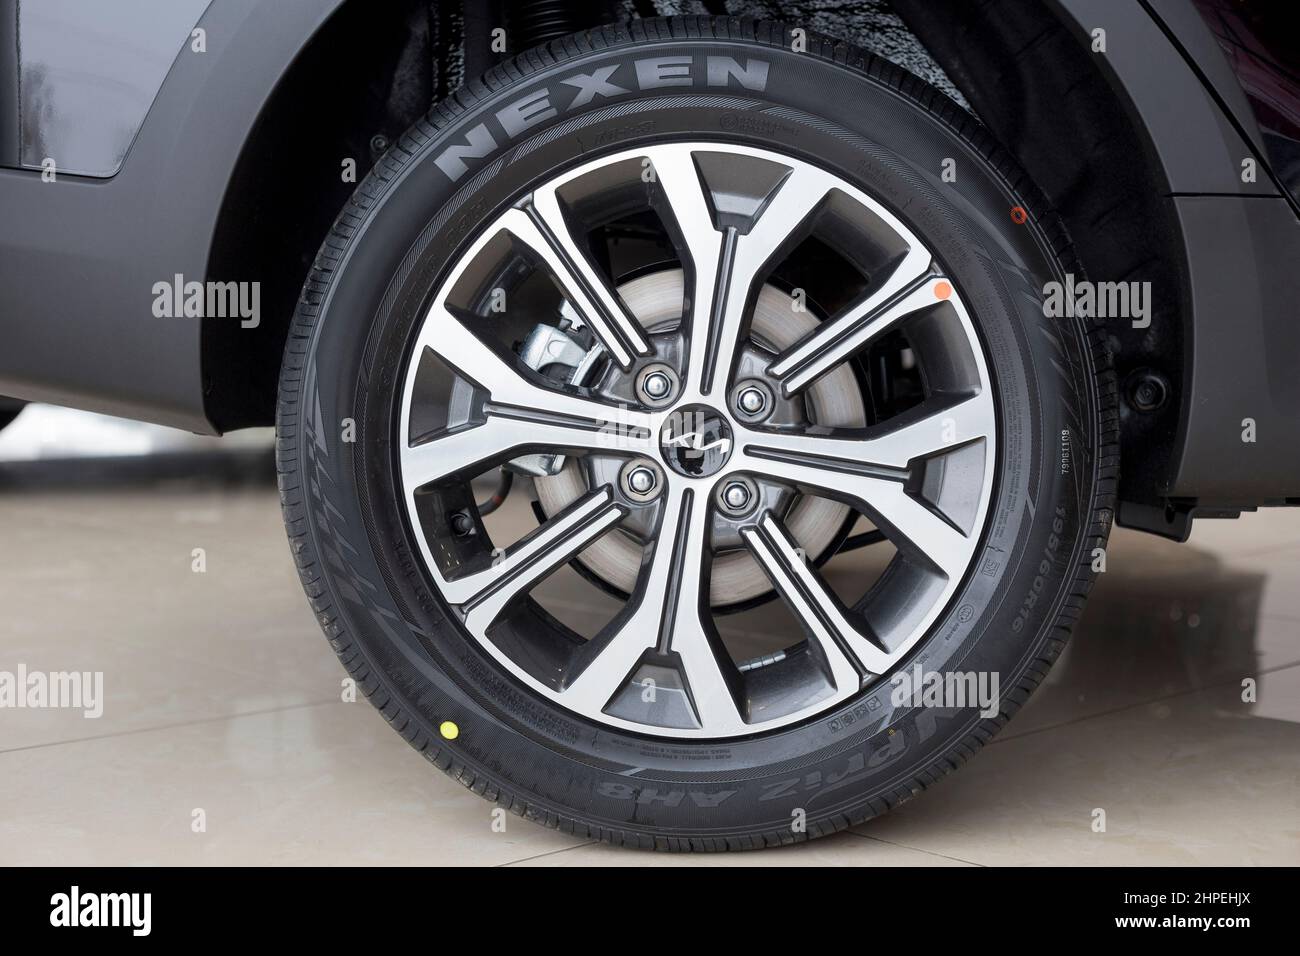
(670, 615)
(685, 624)
(846, 650)
(921, 432)
(727, 264)
(778, 228)
(910, 288)
(871, 473)
(544, 230)
(455, 343)
(682, 189)
(510, 431)
(482, 596)
(517, 415)
(916, 527)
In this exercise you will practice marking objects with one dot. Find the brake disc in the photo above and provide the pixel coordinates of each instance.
(835, 400)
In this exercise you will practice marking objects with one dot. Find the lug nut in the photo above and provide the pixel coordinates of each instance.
(657, 385)
(737, 497)
(641, 480)
(752, 400)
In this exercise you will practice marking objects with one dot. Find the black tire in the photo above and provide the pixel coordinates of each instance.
(890, 133)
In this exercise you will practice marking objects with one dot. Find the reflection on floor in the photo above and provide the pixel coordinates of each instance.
(222, 696)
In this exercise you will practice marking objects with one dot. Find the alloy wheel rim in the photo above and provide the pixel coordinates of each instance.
(923, 477)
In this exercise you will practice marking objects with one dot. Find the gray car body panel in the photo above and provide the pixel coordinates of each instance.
(1241, 244)
(86, 80)
(1198, 147)
(79, 257)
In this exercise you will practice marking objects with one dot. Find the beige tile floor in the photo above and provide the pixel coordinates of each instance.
(221, 695)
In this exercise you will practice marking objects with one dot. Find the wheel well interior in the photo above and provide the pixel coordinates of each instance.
(358, 83)
(1046, 99)
(355, 87)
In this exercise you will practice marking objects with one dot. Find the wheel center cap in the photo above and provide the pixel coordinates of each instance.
(695, 441)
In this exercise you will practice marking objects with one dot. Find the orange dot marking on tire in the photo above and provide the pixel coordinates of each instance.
(1018, 215)
(942, 290)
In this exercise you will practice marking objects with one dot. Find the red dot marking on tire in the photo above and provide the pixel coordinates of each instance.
(1019, 216)
(942, 290)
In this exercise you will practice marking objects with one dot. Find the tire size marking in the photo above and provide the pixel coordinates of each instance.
(703, 799)
(1044, 568)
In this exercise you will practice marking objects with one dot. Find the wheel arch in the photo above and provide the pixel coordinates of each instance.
(1150, 194)
(351, 87)
(78, 279)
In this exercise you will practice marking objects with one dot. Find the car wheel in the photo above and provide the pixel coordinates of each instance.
(748, 336)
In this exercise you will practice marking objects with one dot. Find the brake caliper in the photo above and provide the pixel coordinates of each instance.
(561, 353)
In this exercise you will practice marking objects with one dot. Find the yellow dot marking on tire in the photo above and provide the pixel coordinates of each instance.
(449, 730)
